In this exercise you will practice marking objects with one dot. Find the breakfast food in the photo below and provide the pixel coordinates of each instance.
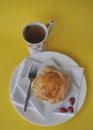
(72, 100)
(70, 109)
(63, 110)
(51, 85)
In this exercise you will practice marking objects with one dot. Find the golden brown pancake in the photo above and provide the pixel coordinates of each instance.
(51, 85)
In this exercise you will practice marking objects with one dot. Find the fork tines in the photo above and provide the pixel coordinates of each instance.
(33, 72)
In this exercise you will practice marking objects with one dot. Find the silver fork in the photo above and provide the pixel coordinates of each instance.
(31, 76)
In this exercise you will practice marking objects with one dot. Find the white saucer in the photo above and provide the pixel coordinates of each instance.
(54, 118)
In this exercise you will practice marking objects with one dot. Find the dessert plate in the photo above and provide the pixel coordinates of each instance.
(32, 115)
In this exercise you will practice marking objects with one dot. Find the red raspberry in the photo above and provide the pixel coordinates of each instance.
(62, 110)
(70, 109)
(72, 100)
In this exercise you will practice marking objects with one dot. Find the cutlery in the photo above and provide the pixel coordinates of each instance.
(31, 76)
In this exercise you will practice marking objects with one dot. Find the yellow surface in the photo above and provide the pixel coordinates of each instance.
(72, 35)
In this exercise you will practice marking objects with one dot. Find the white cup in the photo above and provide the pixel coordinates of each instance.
(35, 35)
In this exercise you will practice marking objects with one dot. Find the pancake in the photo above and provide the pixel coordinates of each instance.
(51, 85)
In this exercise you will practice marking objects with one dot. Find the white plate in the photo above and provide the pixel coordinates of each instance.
(54, 118)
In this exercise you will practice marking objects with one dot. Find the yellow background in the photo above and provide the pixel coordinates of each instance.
(72, 35)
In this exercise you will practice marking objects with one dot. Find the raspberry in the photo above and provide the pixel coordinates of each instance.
(70, 109)
(72, 100)
(62, 110)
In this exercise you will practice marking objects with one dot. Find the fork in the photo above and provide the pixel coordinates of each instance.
(31, 76)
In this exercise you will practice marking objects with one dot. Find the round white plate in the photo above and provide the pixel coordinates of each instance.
(54, 118)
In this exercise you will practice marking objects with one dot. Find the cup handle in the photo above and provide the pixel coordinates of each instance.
(50, 26)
